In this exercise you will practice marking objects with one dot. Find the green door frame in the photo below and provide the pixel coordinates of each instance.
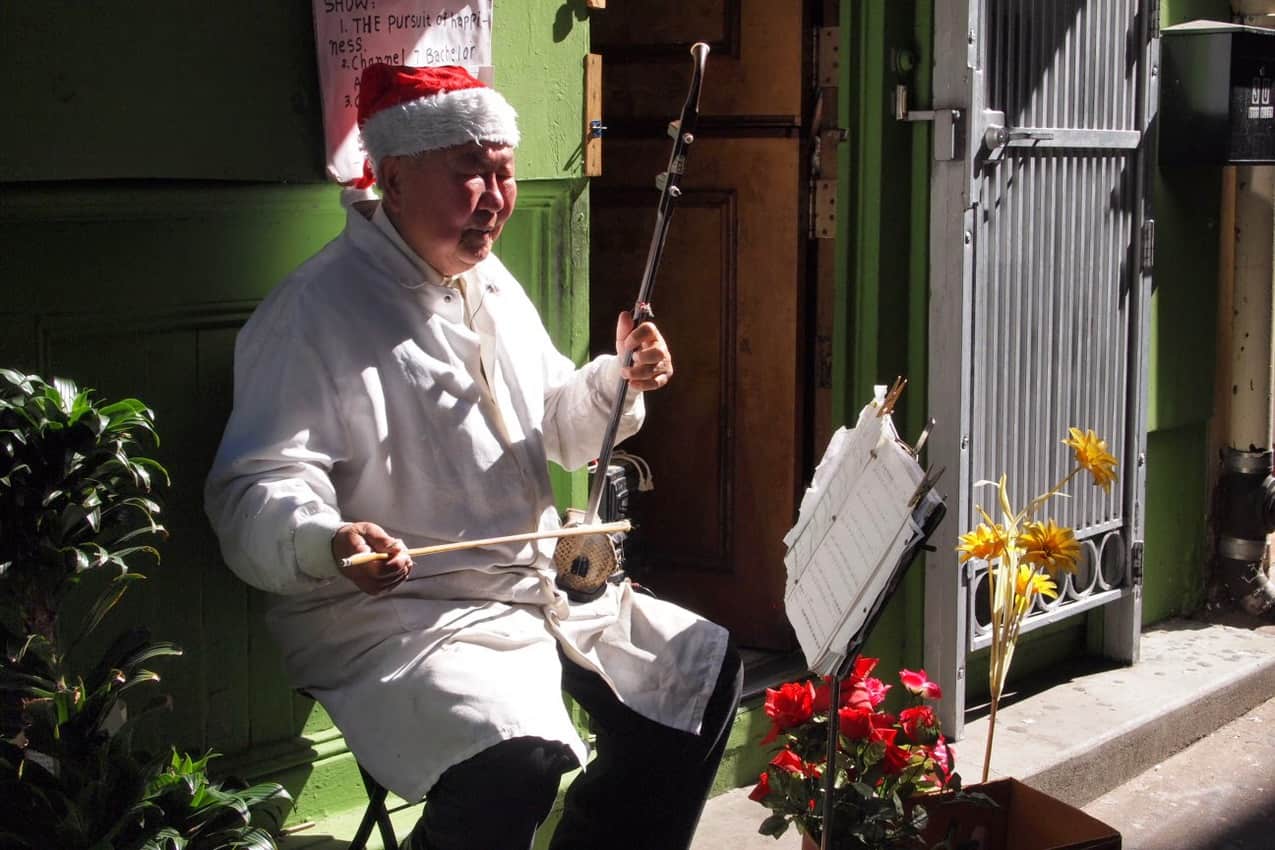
(882, 276)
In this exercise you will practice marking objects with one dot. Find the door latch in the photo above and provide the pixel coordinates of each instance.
(949, 125)
(997, 137)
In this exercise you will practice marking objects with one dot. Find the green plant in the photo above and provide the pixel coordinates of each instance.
(76, 505)
(76, 497)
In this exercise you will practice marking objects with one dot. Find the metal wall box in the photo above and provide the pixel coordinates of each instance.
(1215, 94)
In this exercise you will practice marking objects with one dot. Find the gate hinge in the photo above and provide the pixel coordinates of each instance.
(1148, 245)
(1136, 562)
(949, 125)
(1153, 18)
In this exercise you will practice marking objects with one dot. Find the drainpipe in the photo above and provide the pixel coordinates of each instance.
(1246, 491)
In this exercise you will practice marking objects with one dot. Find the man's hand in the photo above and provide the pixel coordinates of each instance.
(652, 364)
(375, 576)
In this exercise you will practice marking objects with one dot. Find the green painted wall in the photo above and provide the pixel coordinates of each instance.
(167, 173)
(1183, 339)
(883, 268)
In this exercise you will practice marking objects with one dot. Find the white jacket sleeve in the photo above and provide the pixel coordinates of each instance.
(269, 494)
(578, 405)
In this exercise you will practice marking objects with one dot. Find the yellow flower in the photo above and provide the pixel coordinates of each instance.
(1050, 546)
(1092, 456)
(1031, 582)
(985, 543)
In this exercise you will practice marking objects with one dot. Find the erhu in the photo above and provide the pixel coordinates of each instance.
(584, 562)
(585, 556)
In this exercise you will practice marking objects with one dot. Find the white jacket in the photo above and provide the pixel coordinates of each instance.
(359, 396)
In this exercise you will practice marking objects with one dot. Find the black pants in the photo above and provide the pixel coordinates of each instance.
(644, 789)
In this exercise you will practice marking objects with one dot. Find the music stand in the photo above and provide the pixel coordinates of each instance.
(927, 523)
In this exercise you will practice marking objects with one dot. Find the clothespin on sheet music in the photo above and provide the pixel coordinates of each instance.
(887, 406)
(932, 476)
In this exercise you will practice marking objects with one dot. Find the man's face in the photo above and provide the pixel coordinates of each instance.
(450, 205)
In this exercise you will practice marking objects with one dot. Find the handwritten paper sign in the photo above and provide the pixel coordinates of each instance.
(349, 35)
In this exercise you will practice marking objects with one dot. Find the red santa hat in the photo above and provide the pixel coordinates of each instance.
(405, 110)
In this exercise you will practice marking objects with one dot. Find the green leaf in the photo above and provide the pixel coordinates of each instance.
(774, 826)
(167, 838)
(80, 559)
(105, 601)
(153, 465)
(251, 838)
(269, 803)
(158, 649)
(138, 532)
(18, 381)
(120, 554)
(139, 677)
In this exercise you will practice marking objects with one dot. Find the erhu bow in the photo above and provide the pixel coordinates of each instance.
(584, 562)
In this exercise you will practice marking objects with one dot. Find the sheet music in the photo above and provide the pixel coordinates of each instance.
(854, 524)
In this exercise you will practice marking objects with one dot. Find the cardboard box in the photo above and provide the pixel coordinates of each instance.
(1023, 819)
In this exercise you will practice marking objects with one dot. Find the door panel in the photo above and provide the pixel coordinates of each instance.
(754, 69)
(723, 438)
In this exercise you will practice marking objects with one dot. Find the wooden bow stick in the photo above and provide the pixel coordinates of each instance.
(573, 531)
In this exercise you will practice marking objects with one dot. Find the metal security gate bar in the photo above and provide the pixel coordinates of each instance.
(1039, 290)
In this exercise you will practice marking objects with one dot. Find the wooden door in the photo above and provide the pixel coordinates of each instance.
(723, 439)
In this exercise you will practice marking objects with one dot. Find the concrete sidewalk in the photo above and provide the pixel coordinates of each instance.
(1104, 730)
(1099, 729)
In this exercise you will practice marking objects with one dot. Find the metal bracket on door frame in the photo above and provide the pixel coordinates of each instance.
(823, 188)
(949, 125)
(1137, 562)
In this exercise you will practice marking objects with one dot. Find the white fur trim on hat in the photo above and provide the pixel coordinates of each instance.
(440, 121)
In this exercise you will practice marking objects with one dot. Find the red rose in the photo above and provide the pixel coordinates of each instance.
(867, 693)
(855, 723)
(862, 667)
(823, 696)
(885, 734)
(944, 757)
(762, 791)
(790, 761)
(883, 720)
(918, 683)
(919, 723)
(876, 690)
(849, 688)
(791, 705)
(896, 758)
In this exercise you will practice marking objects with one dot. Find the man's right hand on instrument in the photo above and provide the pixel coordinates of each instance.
(372, 577)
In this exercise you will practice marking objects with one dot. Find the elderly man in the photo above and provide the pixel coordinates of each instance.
(399, 390)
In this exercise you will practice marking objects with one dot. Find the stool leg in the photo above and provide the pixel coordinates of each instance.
(376, 813)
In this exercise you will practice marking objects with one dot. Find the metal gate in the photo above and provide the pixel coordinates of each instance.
(1040, 280)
